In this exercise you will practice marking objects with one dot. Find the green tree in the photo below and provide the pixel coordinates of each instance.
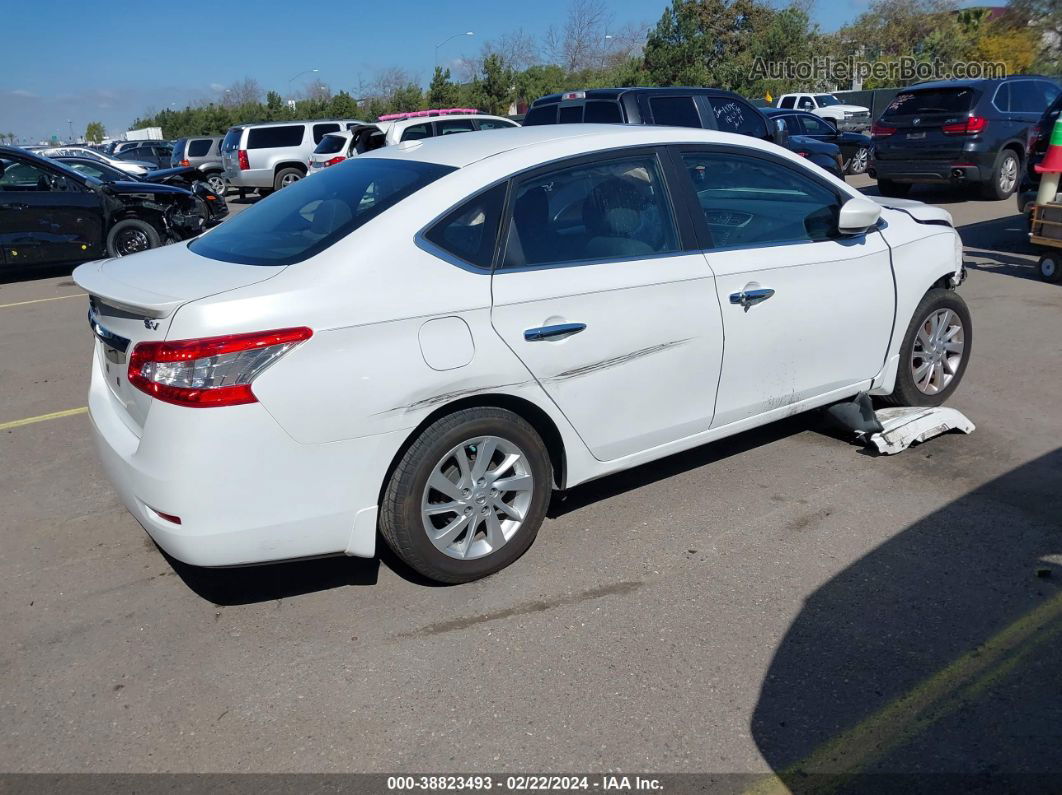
(442, 93)
(343, 106)
(407, 98)
(495, 90)
(1044, 18)
(94, 132)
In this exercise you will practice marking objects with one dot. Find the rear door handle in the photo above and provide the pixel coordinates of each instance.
(553, 332)
(749, 298)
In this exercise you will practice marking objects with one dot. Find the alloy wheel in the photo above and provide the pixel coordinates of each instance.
(938, 351)
(858, 163)
(217, 184)
(1008, 175)
(477, 497)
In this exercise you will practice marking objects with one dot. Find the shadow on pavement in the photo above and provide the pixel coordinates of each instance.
(937, 653)
(664, 468)
(1001, 246)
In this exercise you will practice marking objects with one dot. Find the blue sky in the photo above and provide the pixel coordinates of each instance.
(111, 61)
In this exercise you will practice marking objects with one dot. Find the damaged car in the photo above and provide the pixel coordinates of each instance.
(51, 214)
(424, 342)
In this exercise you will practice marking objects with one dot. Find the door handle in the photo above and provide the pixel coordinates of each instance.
(14, 206)
(749, 298)
(553, 332)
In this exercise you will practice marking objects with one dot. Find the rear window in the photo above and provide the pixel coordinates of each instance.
(570, 114)
(309, 216)
(178, 148)
(451, 126)
(543, 114)
(330, 144)
(603, 112)
(933, 100)
(275, 137)
(199, 147)
(231, 142)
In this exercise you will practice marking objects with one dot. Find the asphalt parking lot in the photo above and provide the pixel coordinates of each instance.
(780, 602)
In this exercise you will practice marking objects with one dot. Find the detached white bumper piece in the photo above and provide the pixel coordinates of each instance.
(906, 425)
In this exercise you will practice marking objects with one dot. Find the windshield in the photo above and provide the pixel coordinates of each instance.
(309, 216)
(826, 99)
(934, 100)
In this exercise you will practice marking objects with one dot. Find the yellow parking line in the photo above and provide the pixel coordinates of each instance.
(916, 710)
(55, 415)
(41, 300)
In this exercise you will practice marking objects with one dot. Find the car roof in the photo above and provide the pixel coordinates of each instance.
(462, 150)
(616, 93)
(248, 125)
(403, 123)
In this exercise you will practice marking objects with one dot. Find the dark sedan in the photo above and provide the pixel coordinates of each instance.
(183, 177)
(50, 214)
(854, 146)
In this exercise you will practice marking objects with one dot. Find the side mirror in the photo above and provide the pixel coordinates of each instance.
(857, 216)
(780, 134)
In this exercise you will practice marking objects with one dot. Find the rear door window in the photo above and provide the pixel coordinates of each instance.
(275, 137)
(199, 147)
(813, 125)
(321, 130)
(733, 115)
(787, 102)
(675, 111)
(1027, 96)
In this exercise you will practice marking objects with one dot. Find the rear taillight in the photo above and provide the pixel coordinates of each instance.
(334, 160)
(244, 163)
(213, 371)
(968, 126)
(185, 163)
(879, 130)
(802, 154)
(1032, 138)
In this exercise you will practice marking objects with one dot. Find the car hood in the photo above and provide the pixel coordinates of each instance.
(848, 108)
(920, 211)
(129, 186)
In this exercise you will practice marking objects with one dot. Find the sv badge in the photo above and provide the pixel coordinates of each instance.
(151, 324)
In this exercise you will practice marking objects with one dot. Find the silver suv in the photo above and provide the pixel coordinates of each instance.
(203, 153)
(273, 155)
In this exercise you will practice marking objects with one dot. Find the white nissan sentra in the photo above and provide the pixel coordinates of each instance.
(427, 340)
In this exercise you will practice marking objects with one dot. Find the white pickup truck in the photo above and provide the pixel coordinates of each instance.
(846, 117)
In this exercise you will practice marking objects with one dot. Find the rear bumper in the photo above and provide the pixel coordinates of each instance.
(925, 171)
(250, 178)
(245, 491)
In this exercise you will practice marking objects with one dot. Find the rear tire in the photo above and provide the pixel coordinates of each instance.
(217, 183)
(429, 528)
(131, 236)
(929, 370)
(286, 177)
(1049, 267)
(1006, 173)
(895, 190)
(859, 161)
(263, 192)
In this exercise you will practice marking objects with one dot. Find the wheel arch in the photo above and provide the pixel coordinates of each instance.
(288, 164)
(525, 409)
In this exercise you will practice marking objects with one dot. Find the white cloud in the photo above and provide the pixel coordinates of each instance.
(21, 92)
(217, 87)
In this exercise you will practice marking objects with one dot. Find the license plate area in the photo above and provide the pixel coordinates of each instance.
(914, 136)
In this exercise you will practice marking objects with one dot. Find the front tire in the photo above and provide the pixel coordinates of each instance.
(131, 236)
(935, 351)
(217, 183)
(468, 496)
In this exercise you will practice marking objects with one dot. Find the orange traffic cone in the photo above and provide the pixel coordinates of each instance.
(1051, 166)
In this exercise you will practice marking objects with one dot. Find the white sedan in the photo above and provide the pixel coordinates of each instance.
(429, 339)
(136, 168)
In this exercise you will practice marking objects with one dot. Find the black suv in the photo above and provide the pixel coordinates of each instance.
(960, 132)
(50, 214)
(157, 153)
(704, 108)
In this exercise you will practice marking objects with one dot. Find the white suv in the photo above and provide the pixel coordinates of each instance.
(827, 106)
(273, 155)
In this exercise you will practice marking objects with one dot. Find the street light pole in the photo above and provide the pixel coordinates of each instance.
(71, 123)
(300, 74)
(446, 41)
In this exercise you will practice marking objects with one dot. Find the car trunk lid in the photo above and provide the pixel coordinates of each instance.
(134, 299)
